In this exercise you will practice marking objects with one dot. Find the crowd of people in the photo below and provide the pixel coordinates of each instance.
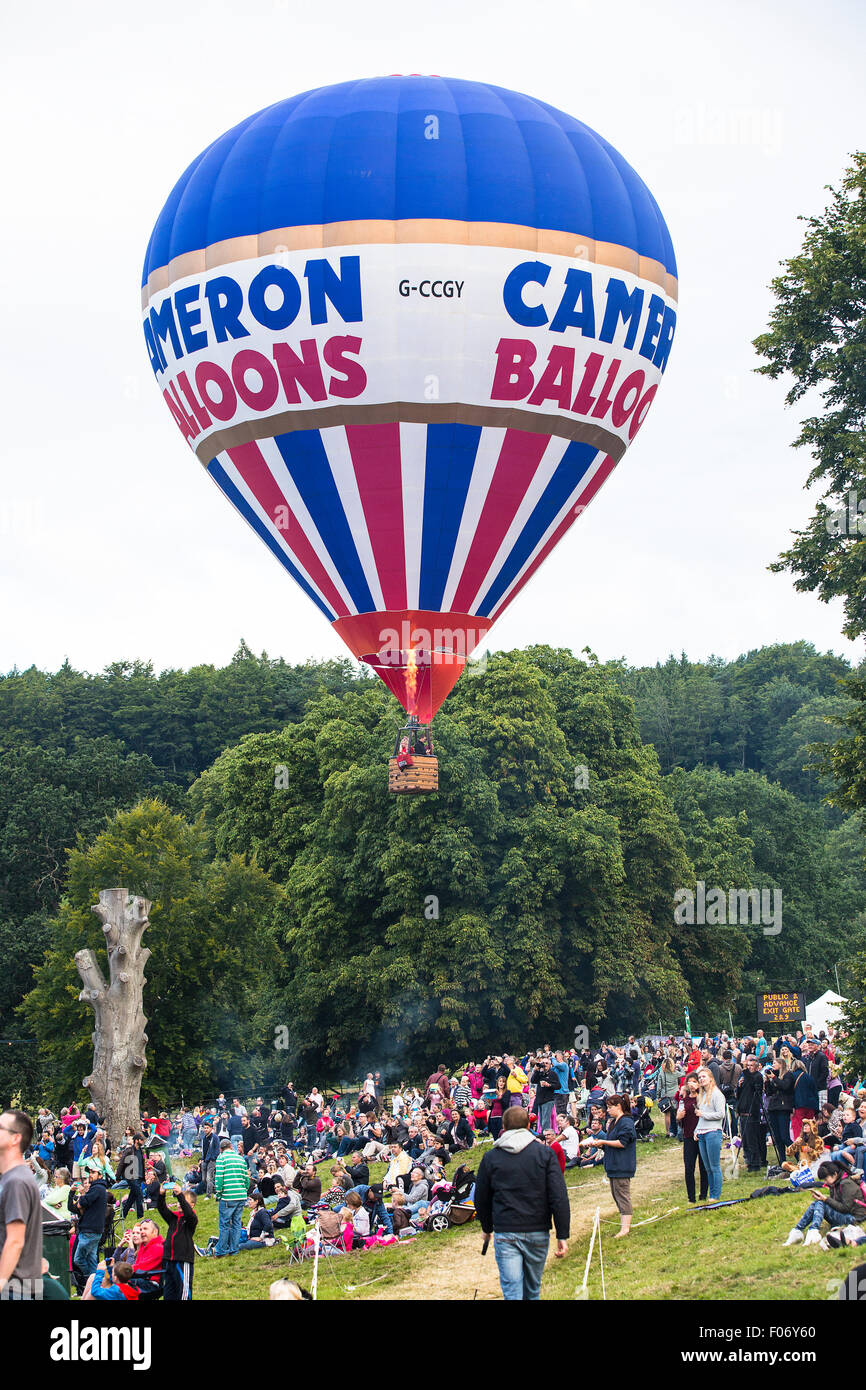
(278, 1167)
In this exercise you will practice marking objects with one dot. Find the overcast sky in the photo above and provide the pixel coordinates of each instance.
(113, 542)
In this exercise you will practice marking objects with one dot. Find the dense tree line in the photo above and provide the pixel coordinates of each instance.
(291, 892)
(764, 712)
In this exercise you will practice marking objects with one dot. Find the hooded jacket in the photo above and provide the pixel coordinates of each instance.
(846, 1195)
(520, 1187)
(92, 1206)
(178, 1247)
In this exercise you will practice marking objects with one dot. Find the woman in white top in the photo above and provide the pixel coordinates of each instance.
(711, 1110)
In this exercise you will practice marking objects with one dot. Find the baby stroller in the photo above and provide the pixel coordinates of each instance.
(643, 1120)
(459, 1208)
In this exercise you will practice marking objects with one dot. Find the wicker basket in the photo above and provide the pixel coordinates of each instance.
(422, 776)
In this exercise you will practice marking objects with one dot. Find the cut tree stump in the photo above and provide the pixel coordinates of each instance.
(119, 1038)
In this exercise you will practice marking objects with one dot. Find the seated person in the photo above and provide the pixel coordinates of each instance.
(569, 1138)
(259, 1230)
(399, 1213)
(844, 1205)
(309, 1185)
(805, 1151)
(149, 1256)
(356, 1216)
(359, 1171)
(591, 1157)
(111, 1282)
(852, 1137)
(378, 1213)
(400, 1164)
(419, 1193)
(193, 1181)
(341, 1182)
(403, 755)
(287, 1203)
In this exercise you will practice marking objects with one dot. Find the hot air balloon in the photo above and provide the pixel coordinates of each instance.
(409, 326)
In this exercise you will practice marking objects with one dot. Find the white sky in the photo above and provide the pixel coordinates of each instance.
(113, 542)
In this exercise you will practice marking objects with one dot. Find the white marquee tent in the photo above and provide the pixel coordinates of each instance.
(824, 1012)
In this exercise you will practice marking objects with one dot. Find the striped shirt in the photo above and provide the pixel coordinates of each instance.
(232, 1177)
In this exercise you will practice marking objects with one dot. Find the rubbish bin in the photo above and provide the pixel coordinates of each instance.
(55, 1248)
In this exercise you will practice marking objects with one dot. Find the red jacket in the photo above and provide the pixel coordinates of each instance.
(149, 1256)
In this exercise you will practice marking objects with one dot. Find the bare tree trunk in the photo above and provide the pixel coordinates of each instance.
(119, 1038)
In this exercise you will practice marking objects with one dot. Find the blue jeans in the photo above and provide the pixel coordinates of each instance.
(85, 1252)
(520, 1258)
(230, 1227)
(817, 1212)
(710, 1148)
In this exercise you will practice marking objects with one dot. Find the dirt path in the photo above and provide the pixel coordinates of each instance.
(454, 1269)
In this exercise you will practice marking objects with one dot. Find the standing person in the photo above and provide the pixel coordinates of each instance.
(178, 1250)
(546, 1083)
(779, 1090)
(20, 1213)
(519, 1189)
(91, 1205)
(81, 1147)
(498, 1108)
(618, 1144)
(818, 1067)
(728, 1080)
(210, 1151)
(516, 1080)
(708, 1132)
(687, 1118)
(668, 1085)
(232, 1183)
(748, 1104)
(806, 1103)
(439, 1080)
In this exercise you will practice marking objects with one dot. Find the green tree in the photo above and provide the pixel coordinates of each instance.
(817, 338)
(819, 876)
(212, 947)
(513, 903)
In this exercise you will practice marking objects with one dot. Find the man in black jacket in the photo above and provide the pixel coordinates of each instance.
(91, 1206)
(817, 1064)
(749, 1090)
(210, 1152)
(546, 1083)
(358, 1171)
(518, 1190)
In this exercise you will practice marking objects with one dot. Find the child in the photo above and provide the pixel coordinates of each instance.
(178, 1247)
(399, 1214)
(111, 1282)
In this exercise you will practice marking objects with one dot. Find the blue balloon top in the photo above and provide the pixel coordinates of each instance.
(358, 150)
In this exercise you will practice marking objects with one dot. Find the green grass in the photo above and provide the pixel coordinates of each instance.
(732, 1254)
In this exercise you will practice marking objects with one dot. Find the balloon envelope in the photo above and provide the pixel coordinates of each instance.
(409, 325)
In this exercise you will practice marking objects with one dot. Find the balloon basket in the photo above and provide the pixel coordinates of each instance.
(422, 776)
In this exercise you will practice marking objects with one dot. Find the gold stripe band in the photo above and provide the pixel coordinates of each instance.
(412, 413)
(404, 232)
